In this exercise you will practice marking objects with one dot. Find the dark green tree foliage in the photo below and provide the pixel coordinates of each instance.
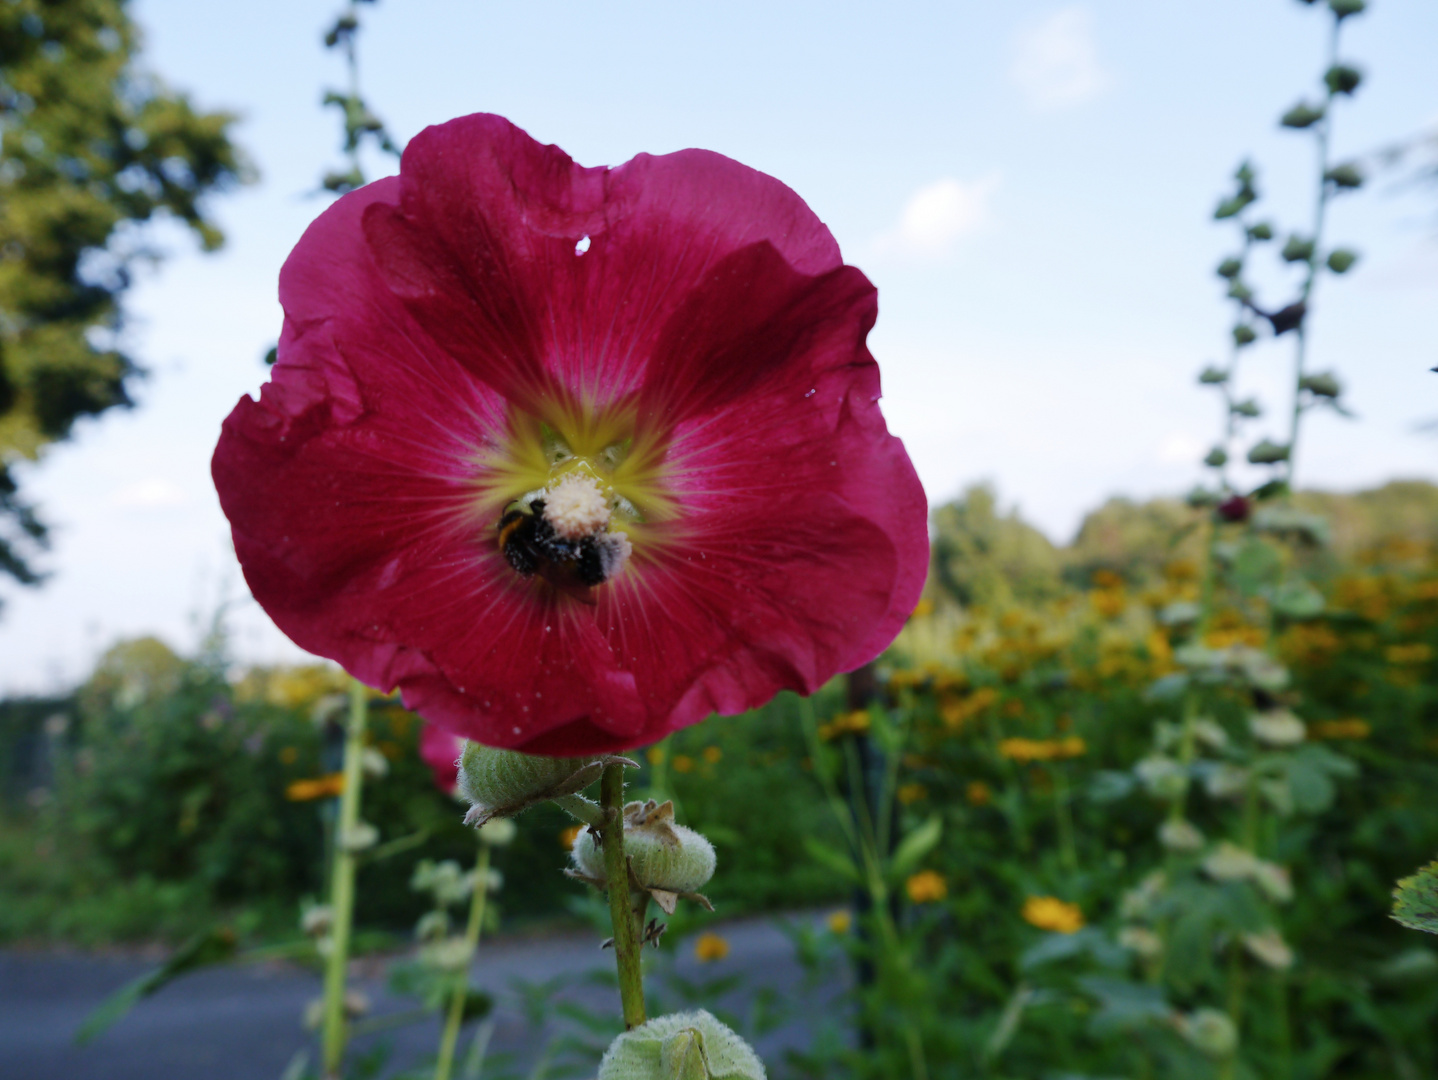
(981, 557)
(91, 147)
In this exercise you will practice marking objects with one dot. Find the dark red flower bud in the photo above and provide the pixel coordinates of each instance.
(1234, 508)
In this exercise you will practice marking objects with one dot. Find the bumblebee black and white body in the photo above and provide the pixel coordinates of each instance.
(532, 545)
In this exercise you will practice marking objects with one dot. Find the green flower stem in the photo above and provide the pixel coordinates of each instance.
(1063, 818)
(1322, 130)
(581, 809)
(616, 871)
(460, 992)
(342, 884)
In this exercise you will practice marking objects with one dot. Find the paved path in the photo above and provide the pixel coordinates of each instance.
(243, 1023)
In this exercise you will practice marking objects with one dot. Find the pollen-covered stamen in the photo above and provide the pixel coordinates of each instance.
(576, 507)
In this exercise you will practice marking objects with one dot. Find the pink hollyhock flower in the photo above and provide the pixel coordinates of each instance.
(440, 750)
(574, 457)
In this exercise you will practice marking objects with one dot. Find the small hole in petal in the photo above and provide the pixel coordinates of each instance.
(581, 247)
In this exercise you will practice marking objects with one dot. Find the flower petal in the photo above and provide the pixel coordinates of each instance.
(423, 311)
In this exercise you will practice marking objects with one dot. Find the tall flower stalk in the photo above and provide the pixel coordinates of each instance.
(459, 994)
(342, 882)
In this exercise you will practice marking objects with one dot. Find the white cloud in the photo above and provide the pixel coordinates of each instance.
(148, 493)
(938, 214)
(1181, 448)
(1055, 61)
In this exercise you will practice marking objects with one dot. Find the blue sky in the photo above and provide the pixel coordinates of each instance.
(1029, 184)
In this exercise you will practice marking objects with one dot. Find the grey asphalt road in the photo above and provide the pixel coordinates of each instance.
(243, 1022)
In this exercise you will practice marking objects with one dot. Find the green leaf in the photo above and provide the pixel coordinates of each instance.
(836, 861)
(213, 946)
(915, 846)
(1255, 566)
(1298, 600)
(1415, 900)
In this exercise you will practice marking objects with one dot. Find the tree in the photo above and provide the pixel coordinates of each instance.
(92, 147)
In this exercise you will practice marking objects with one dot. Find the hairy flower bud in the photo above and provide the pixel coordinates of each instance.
(664, 858)
(1212, 376)
(1247, 408)
(1243, 334)
(685, 1046)
(1230, 267)
(1277, 727)
(1262, 231)
(1211, 1032)
(1269, 948)
(1217, 458)
(501, 783)
(1180, 836)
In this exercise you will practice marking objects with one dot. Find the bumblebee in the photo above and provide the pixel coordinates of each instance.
(531, 546)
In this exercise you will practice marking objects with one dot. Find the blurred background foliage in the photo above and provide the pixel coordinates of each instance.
(171, 792)
(93, 149)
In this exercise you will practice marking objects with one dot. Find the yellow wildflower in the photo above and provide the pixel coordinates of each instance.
(1108, 602)
(978, 793)
(926, 886)
(321, 787)
(683, 763)
(839, 922)
(655, 754)
(922, 608)
(289, 755)
(855, 723)
(1025, 750)
(1051, 913)
(713, 754)
(1416, 653)
(912, 793)
(710, 947)
(1352, 728)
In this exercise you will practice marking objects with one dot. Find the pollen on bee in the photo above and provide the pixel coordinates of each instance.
(575, 507)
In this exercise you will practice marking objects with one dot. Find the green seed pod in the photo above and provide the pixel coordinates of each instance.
(1347, 176)
(1345, 8)
(1209, 1031)
(1297, 249)
(1217, 458)
(501, 783)
(1341, 260)
(685, 1046)
(1212, 376)
(1230, 267)
(1268, 452)
(1342, 79)
(661, 854)
(1302, 115)
(1243, 334)
(1262, 231)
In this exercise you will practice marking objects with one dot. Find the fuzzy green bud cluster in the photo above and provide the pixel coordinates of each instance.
(501, 783)
(663, 857)
(685, 1046)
